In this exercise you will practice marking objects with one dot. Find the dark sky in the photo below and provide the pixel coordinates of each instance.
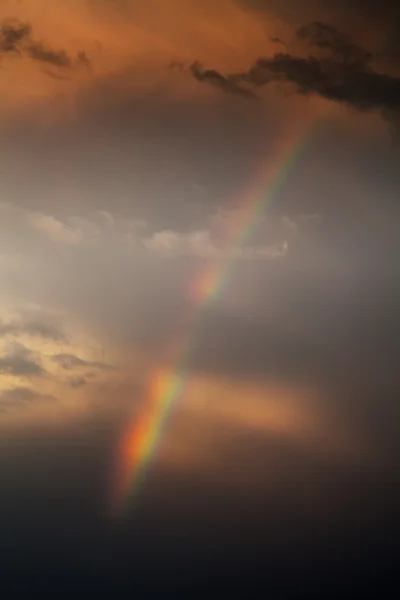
(137, 138)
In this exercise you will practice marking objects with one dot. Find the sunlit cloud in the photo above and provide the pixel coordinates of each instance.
(215, 415)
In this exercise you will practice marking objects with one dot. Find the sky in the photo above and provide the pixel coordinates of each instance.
(199, 212)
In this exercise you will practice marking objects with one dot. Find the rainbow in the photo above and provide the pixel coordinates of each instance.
(168, 382)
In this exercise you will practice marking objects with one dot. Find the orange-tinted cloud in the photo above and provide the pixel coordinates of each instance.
(215, 419)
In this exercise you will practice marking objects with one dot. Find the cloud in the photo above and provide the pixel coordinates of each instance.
(71, 361)
(20, 397)
(58, 58)
(55, 76)
(13, 35)
(57, 231)
(77, 382)
(199, 244)
(41, 53)
(22, 393)
(104, 229)
(343, 73)
(32, 320)
(17, 37)
(270, 319)
(229, 84)
(43, 330)
(18, 362)
(338, 44)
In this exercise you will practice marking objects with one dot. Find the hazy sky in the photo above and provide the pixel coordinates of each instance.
(132, 136)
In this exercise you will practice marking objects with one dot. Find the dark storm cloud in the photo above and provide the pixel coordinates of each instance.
(327, 37)
(343, 73)
(377, 13)
(17, 37)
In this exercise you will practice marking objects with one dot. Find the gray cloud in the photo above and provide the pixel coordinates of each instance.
(343, 72)
(19, 361)
(19, 366)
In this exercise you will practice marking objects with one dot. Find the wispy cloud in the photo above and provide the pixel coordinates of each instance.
(42, 329)
(69, 362)
(62, 233)
(199, 244)
(17, 37)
